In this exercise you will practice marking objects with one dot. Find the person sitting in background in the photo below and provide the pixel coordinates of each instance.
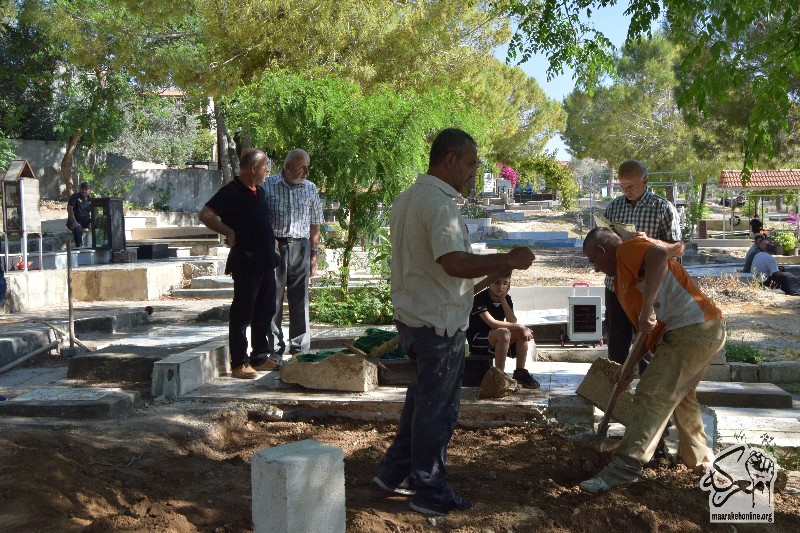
(765, 270)
(759, 245)
(493, 330)
(755, 224)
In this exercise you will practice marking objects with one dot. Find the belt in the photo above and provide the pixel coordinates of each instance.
(290, 239)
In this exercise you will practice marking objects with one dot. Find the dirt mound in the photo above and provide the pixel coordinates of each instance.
(180, 475)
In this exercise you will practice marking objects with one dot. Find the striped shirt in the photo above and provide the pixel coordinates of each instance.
(652, 214)
(292, 208)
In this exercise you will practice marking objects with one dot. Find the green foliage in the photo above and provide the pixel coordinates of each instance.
(696, 210)
(6, 153)
(365, 148)
(730, 47)
(157, 129)
(361, 305)
(741, 352)
(161, 196)
(202, 145)
(105, 181)
(471, 210)
(787, 239)
(556, 176)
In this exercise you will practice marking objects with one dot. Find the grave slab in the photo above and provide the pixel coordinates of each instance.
(758, 395)
(598, 385)
(340, 371)
(71, 403)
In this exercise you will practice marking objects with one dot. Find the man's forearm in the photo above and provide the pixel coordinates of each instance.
(467, 265)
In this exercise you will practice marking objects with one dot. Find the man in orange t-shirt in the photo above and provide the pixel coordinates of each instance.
(684, 329)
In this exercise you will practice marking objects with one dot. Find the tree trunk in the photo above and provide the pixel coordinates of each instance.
(66, 161)
(350, 243)
(703, 189)
(233, 158)
(222, 146)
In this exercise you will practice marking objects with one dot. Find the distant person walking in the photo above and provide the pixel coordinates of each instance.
(79, 213)
(296, 213)
(651, 214)
(756, 225)
(239, 211)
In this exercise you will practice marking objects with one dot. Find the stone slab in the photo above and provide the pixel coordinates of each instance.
(571, 410)
(779, 372)
(71, 403)
(744, 372)
(125, 363)
(186, 371)
(124, 256)
(759, 395)
(571, 354)
(112, 323)
(298, 488)
(212, 282)
(18, 341)
(340, 371)
(209, 294)
(750, 425)
(598, 385)
(717, 373)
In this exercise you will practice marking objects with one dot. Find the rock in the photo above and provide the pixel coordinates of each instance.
(598, 385)
(496, 384)
(341, 371)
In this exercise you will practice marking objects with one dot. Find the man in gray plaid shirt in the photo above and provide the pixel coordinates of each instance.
(658, 219)
(296, 213)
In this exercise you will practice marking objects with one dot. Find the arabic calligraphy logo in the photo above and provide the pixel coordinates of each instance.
(741, 485)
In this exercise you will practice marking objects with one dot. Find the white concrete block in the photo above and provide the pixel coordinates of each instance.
(183, 372)
(298, 488)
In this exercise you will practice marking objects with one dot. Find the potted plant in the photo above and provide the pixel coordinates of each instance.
(787, 241)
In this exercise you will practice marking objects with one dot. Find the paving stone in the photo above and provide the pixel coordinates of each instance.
(760, 395)
(571, 410)
(779, 372)
(341, 371)
(744, 372)
(598, 385)
(71, 403)
(123, 256)
(112, 323)
(717, 373)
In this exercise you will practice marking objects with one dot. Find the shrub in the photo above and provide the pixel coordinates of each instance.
(740, 352)
(474, 211)
(786, 239)
(360, 305)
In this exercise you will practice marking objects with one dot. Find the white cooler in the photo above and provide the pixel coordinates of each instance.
(585, 316)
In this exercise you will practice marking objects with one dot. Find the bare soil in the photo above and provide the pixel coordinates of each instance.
(185, 467)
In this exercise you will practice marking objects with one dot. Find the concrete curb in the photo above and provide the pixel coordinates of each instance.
(183, 372)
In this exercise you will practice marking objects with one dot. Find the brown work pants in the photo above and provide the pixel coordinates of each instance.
(668, 387)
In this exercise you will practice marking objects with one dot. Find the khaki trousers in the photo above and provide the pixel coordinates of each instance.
(668, 387)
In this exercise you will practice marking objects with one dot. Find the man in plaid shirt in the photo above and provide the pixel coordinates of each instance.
(296, 213)
(658, 219)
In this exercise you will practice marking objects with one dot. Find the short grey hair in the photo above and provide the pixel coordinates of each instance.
(631, 167)
(599, 236)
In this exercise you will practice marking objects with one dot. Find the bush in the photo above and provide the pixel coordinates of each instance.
(740, 352)
(474, 211)
(786, 239)
(361, 305)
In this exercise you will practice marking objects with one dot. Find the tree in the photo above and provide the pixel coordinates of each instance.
(157, 129)
(365, 148)
(555, 176)
(6, 153)
(712, 32)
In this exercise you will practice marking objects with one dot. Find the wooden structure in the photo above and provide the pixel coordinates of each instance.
(730, 181)
(20, 204)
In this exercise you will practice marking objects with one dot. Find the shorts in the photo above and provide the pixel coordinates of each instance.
(479, 345)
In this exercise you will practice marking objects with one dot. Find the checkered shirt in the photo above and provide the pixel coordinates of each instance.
(292, 208)
(652, 214)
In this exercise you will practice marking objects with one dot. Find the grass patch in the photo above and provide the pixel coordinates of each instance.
(791, 388)
(741, 352)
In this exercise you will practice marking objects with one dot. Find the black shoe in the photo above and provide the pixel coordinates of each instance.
(405, 488)
(441, 509)
(525, 379)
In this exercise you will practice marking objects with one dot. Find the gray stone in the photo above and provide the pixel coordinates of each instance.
(720, 358)
(717, 373)
(110, 324)
(124, 256)
(744, 372)
(71, 403)
(779, 372)
(496, 384)
(761, 395)
(298, 488)
(183, 372)
(598, 385)
(341, 371)
(221, 312)
(571, 410)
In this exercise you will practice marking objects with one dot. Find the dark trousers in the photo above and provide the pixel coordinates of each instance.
(620, 332)
(291, 275)
(778, 280)
(429, 414)
(253, 305)
(77, 232)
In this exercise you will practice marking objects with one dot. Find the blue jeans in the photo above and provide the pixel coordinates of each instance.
(429, 413)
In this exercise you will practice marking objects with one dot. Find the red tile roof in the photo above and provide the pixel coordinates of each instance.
(761, 179)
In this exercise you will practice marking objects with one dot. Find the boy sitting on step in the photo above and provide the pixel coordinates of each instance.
(493, 330)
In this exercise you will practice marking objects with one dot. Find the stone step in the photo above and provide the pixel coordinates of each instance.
(777, 427)
(754, 395)
(172, 232)
(16, 341)
(69, 402)
(203, 294)
(212, 282)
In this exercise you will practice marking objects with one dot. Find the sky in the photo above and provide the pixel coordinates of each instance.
(611, 22)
